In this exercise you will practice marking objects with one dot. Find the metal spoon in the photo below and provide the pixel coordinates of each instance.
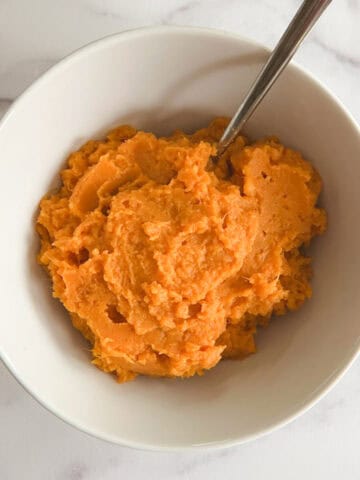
(301, 24)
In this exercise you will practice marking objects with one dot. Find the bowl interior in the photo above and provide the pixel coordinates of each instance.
(158, 80)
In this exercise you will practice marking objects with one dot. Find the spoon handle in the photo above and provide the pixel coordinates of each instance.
(301, 24)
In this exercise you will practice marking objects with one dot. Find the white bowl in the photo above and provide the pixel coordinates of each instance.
(160, 79)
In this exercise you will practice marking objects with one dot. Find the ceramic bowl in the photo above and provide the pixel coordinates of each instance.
(160, 79)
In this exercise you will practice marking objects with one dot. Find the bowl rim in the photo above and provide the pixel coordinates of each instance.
(125, 35)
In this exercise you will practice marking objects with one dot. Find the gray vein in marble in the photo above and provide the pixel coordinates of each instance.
(200, 460)
(181, 9)
(284, 15)
(350, 60)
(102, 10)
(77, 471)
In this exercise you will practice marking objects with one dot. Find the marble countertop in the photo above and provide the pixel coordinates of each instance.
(323, 443)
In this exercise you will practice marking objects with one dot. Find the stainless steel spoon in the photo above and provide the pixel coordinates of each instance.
(301, 24)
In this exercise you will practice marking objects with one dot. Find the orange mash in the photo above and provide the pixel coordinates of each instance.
(167, 266)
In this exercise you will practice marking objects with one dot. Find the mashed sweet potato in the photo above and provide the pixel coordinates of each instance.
(165, 265)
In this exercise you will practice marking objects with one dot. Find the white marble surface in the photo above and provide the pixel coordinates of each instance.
(323, 443)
